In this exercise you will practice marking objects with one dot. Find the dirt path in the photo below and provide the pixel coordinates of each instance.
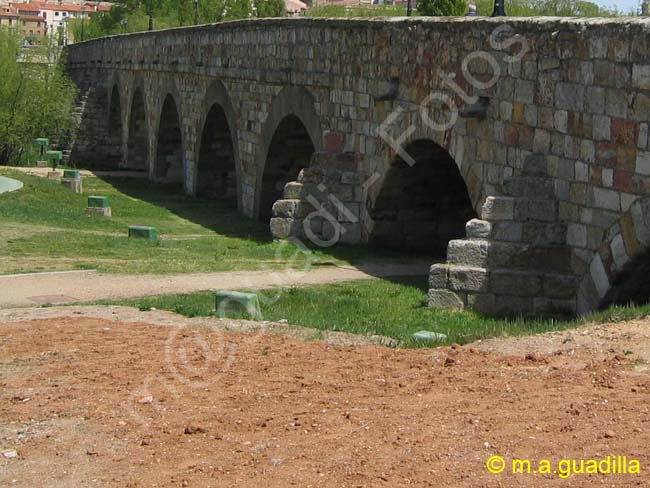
(84, 286)
(43, 172)
(116, 403)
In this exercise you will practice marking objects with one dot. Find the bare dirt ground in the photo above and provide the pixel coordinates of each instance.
(132, 399)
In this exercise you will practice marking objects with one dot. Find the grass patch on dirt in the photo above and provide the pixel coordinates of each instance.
(44, 227)
(393, 308)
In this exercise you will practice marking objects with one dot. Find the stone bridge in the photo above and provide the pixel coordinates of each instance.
(515, 148)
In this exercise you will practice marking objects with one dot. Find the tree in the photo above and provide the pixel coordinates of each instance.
(270, 8)
(556, 8)
(36, 97)
(441, 7)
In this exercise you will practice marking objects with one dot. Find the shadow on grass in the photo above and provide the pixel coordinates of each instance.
(222, 217)
(218, 216)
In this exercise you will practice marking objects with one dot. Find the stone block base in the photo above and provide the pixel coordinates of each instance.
(42, 164)
(101, 211)
(73, 184)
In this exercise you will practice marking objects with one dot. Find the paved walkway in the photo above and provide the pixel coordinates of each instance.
(84, 286)
(9, 184)
(42, 172)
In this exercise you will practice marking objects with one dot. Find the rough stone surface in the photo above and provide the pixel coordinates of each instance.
(478, 228)
(73, 184)
(445, 299)
(468, 252)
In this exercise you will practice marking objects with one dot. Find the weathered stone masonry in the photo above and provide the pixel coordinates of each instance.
(558, 171)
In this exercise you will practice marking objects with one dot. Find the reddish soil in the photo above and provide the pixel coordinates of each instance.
(89, 402)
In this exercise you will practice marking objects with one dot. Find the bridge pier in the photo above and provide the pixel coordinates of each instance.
(514, 260)
(323, 206)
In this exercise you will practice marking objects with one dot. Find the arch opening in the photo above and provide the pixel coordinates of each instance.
(421, 207)
(217, 172)
(169, 153)
(137, 143)
(290, 151)
(114, 149)
(632, 284)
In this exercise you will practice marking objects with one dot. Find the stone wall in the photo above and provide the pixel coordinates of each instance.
(555, 168)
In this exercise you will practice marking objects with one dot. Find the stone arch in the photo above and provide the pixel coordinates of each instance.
(218, 165)
(115, 128)
(137, 149)
(460, 146)
(421, 201)
(619, 271)
(169, 162)
(293, 109)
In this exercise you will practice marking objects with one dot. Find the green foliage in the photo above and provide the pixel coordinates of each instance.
(356, 11)
(441, 7)
(556, 8)
(133, 15)
(36, 97)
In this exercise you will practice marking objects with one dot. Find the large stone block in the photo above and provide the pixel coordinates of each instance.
(498, 208)
(468, 252)
(465, 278)
(559, 286)
(477, 228)
(445, 299)
(516, 283)
(283, 228)
(293, 190)
(439, 276)
(530, 186)
(536, 210)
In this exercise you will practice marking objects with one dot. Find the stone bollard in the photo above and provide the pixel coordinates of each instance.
(72, 180)
(247, 302)
(143, 232)
(99, 206)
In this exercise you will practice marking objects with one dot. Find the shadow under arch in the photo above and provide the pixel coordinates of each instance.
(169, 163)
(292, 110)
(137, 152)
(218, 165)
(619, 271)
(421, 202)
(114, 156)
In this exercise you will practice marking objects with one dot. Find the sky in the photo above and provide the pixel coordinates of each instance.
(624, 5)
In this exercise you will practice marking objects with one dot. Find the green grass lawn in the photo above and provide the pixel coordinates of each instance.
(392, 308)
(43, 227)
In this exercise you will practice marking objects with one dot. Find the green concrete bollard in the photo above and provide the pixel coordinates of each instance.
(247, 302)
(71, 174)
(43, 143)
(54, 157)
(99, 206)
(98, 202)
(72, 180)
(143, 232)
